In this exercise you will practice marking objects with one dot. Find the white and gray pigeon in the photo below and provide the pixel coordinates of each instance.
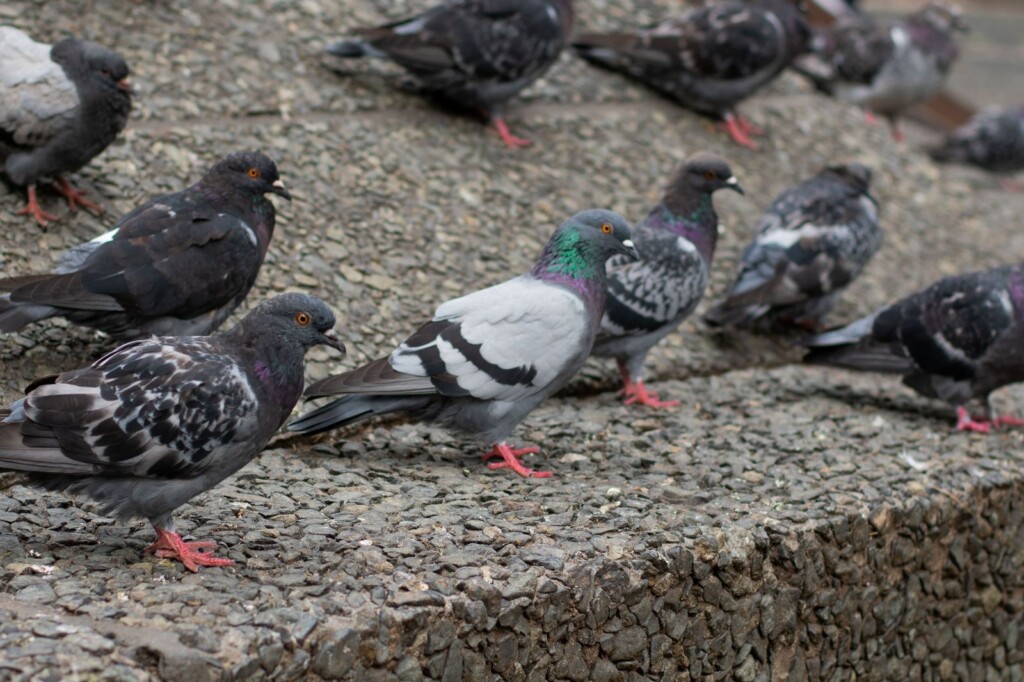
(958, 340)
(710, 58)
(156, 422)
(476, 54)
(650, 297)
(993, 140)
(812, 242)
(887, 69)
(176, 265)
(59, 108)
(486, 360)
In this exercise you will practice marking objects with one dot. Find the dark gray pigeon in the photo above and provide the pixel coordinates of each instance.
(813, 240)
(176, 265)
(650, 297)
(59, 108)
(474, 53)
(958, 340)
(993, 140)
(887, 69)
(486, 360)
(709, 59)
(155, 422)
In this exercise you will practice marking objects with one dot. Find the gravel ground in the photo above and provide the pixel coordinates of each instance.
(784, 522)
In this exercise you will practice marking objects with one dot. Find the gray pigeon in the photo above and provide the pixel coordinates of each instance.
(59, 108)
(486, 360)
(709, 59)
(474, 53)
(958, 340)
(887, 69)
(176, 265)
(650, 297)
(993, 140)
(813, 240)
(152, 424)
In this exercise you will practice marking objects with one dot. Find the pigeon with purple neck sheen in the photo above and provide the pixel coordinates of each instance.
(650, 297)
(176, 265)
(811, 243)
(59, 108)
(476, 54)
(156, 422)
(709, 59)
(957, 340)
(486, 360)
(993, 140)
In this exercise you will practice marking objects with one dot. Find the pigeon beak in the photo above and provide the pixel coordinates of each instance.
(734, 184)
(279, 190)
(630, 249)
(331, 339)
(124, 85)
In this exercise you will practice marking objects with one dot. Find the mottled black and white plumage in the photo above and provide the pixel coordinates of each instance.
(155, 422)
(486, 360)
(709, 59)
(649, 297)
(887, 68)
(176, 265)
(474, 53)
(59, 108)
(958, 340)
(813, 240)
(993, 140)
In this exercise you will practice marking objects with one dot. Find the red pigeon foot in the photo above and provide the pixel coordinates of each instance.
(749, 127)
(76, 197)
(169, 545)
(1007, 420)
(740, 136)
(964, 422)
(510, 140)
(637, 394)
(33, 209)
(510, 459)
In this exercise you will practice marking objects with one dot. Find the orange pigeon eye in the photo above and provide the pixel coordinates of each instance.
(303, 319)
(607, 228)
(709, 175)
(254, 173)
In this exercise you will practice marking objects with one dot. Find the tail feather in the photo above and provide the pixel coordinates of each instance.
(350, 409)
(16, 454)
(853, 347)
(354, 49)
(723, 315)
(15, 316)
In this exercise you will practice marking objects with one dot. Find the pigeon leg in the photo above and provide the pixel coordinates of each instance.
(732, 126)
(510, 140)
(76, 197)
(510, 459)
(964, 422)
(33, 209)
(635, 393)
(169, 545)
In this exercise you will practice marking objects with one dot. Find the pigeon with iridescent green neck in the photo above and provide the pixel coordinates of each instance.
(486, 360)
(650, 297)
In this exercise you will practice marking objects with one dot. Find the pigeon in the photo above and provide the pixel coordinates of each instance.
(710, 58)
(958, 340)
(887, 69)
(476, 54)
(152, 424)
(814, 239)
(175, 266)
(993, 140)
(650, 297)
(486, 360)
(59, 108)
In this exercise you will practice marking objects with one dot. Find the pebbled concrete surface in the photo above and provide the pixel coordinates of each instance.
(785, 523)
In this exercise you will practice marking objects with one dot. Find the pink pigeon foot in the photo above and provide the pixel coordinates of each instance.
(169, 545)
(870, 118)
(33, 209)
(964, 422)
(748, 127)
(510, 140)
(510, 459)
(1007, 420)
(637, 394)
(76, 197)
(736, 131)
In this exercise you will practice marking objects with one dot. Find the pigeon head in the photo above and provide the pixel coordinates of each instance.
(703, 173)
(250, 172)
(83, 59)
(580, 246)
(294, 320)
(943, 17)
(855, 174)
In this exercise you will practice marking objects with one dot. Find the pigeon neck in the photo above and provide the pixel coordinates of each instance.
(574, 262)
(934, 40)
(691, 216)
(252, 206)
(1016, 288)
(276, 363)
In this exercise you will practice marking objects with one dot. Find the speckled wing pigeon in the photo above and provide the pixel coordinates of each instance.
(993, 140)
(709, 59)
(177, 265)
(649, 297)
(474, 53)
(813, 240)
(155, 422)
(486, 360)
(887, 69)
(958, 340)
(59, 108)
